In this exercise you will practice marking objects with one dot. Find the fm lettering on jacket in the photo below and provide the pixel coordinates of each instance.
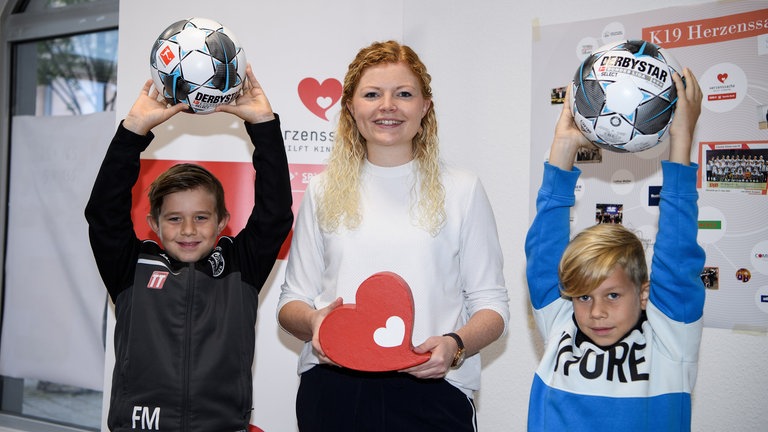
(157, 279)
(622, 362)
(147, 420)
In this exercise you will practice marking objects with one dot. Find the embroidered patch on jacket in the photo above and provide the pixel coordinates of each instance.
(217, 262)
(157, 279)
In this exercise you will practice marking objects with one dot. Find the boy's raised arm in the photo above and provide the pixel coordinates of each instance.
(686, 115)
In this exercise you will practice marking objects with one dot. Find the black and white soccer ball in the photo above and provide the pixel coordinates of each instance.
(623, 97)
(200, 62)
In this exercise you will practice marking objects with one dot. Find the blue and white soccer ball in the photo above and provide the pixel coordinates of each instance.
(623, 97)
(199, 62)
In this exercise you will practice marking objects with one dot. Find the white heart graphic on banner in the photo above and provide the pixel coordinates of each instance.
(324, 102)
(391, 335)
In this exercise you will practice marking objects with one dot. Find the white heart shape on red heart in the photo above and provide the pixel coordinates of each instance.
(392, 335)
(324, 102)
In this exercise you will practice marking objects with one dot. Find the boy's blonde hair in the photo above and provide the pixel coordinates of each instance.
(593, 254)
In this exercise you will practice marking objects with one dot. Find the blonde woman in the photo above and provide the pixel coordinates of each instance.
(387, 203)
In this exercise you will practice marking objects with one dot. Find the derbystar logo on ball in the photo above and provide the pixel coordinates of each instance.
(656, 74)
(208, 102)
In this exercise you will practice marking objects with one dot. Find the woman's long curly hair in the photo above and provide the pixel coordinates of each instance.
(339, 202)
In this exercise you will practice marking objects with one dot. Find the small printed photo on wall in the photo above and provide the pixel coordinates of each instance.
(609, 213)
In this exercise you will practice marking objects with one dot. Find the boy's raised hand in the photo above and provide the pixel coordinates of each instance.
(686, 115)
(149, 110)
(252, 106)
(568, 138)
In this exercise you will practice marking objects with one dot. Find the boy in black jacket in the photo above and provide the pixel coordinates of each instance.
(186, 310)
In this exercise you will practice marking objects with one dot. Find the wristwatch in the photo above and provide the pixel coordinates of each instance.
(458, 359)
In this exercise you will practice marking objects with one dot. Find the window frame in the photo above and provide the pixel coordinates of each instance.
(27, 21)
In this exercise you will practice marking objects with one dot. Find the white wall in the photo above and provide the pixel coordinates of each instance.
(479, 56)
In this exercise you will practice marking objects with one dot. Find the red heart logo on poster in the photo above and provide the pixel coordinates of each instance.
(722, 77)
(373, 334)
(319, 98)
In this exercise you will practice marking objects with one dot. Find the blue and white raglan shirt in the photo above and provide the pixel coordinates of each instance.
(644, 381)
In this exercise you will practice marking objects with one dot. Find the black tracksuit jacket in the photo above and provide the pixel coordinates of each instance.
(185, 332)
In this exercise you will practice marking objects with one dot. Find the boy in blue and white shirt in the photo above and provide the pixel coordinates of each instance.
(621, 347)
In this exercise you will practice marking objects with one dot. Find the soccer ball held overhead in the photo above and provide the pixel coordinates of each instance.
(199, 62)
(623, 97)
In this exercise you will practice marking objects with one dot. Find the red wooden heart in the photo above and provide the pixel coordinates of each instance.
(374, 333)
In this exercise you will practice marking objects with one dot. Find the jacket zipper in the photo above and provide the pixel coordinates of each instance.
(185, 426)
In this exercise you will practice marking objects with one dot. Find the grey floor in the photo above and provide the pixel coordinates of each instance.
(62, 404)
